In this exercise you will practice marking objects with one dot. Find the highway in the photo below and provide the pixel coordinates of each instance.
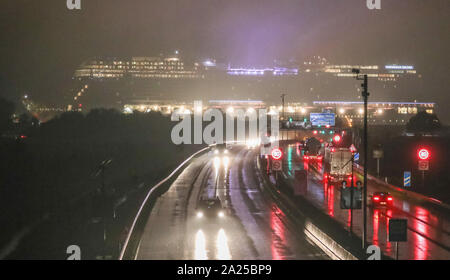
(253, 227)
(428, 228)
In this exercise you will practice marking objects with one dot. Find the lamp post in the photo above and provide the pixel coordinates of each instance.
(283, 116)
(105, 216)
(365, 95)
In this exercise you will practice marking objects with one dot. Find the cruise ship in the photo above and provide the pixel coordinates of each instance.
(113, 82)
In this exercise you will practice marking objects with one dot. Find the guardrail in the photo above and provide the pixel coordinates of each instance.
(406, 193)
(147, 197)
(325, 241)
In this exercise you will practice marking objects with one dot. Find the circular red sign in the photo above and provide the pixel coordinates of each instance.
(424, 154)
(277, 153)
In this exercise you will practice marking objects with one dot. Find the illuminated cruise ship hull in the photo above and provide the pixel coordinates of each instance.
(113, 83)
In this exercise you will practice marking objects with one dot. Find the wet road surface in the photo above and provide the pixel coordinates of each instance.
(428, 229)
(253, 227)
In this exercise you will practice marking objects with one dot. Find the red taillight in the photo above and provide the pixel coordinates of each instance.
(390, 198)
(376, 198)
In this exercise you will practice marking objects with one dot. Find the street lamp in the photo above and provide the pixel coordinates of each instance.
(365, 94)
(282, 104)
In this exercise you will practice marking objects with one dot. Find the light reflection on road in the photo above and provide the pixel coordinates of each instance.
(200, 246)
(223, 251)
(423, 223)
(222, 248)
(278, 238)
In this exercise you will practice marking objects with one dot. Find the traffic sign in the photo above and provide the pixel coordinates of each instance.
(277, 165)
(424, 165)
(356, 157)
(407, 179)
(424, 154)
(277, 154)
(398, 230)
(322, 119)
(352, 148)
(378, 154)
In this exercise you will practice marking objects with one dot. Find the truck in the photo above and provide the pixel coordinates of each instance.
(312, 148)
(338, 165)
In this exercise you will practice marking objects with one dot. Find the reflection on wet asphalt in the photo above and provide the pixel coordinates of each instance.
(253, 226)
(428, 234)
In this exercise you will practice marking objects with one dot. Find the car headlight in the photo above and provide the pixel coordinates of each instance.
(216, 152)
(199, 214)
(221, 214)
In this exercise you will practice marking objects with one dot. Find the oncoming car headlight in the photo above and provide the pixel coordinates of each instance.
(199, 214)
(221, 214)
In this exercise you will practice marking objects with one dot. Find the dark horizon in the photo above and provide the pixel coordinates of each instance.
(43, 43)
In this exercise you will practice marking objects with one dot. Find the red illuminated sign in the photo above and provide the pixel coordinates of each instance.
(424, 154)
(277, 154)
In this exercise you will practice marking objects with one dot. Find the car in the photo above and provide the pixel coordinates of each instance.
(382, 199)
(220, 149)
(210, 208)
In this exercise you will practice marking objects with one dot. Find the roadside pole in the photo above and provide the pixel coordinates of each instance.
(378, 154)
(365, 95)
(351, 198)
(423, 179)
(366, 161)
(378, 167)
(104, 207)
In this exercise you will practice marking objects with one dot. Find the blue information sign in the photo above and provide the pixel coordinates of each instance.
(322, 119)
(407, 179)
(356, 158)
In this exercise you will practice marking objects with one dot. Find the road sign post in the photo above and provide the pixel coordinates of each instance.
(424, 164)
(378, 154)
(277, 164)
(398, 232)
(351, 196)
(365, 94)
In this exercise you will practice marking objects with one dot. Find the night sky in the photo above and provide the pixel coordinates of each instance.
(42, 42)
